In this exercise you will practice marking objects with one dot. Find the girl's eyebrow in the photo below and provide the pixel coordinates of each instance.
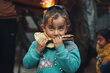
(50, 25)
(58, 26)
(61, 25)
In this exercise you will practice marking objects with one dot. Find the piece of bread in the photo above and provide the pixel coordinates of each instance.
(38, 35)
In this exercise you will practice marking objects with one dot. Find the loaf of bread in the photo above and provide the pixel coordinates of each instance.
(38, 35)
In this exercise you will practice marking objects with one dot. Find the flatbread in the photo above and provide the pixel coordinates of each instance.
(38, 35)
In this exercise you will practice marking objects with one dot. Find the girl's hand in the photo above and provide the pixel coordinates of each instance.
(58, 41)
(41, 44)
(104, 62)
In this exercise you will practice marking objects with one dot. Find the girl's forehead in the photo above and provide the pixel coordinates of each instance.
(56, 20)
(100, 36)
(55, 17)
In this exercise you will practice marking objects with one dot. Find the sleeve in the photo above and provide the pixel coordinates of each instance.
(31, 59)
(69, 60)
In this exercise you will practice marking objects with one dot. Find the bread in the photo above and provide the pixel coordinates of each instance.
(38, 35)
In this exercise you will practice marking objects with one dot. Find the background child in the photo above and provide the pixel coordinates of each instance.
(64, 57)
(103, 50)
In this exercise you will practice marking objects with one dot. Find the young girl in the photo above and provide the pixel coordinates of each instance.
(65, 57)
(103, 50)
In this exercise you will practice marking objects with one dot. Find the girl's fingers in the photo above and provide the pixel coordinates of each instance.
(104, 62)
(41, 44)
(42, 41)
(57, 41)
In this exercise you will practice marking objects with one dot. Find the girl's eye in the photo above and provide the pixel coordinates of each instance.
(51, 28)
(61, 28)
(100, 40)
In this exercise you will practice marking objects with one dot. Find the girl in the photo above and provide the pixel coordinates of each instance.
(65, 57)
(103, 50)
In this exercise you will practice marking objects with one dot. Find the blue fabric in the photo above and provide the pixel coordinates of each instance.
(68, 59)
(105, 68)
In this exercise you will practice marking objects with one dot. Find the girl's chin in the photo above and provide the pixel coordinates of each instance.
(101, 46)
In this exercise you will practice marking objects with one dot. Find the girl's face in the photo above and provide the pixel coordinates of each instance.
(101, 41)
(54, 28)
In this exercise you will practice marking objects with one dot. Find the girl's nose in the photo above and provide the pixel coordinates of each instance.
(56, 32)
(98, 41)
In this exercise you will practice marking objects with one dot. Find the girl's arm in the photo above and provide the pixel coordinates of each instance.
(31, 59)
(68, 59)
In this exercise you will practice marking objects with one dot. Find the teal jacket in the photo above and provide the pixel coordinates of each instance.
(63, 59)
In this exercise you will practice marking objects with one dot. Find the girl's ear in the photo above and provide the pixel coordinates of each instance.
(43, 27)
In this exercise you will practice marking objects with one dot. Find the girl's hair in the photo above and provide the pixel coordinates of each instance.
(54, 12)
(105, 33)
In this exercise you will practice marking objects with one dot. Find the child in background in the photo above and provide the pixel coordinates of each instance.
(65, 57)
(103, 50)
